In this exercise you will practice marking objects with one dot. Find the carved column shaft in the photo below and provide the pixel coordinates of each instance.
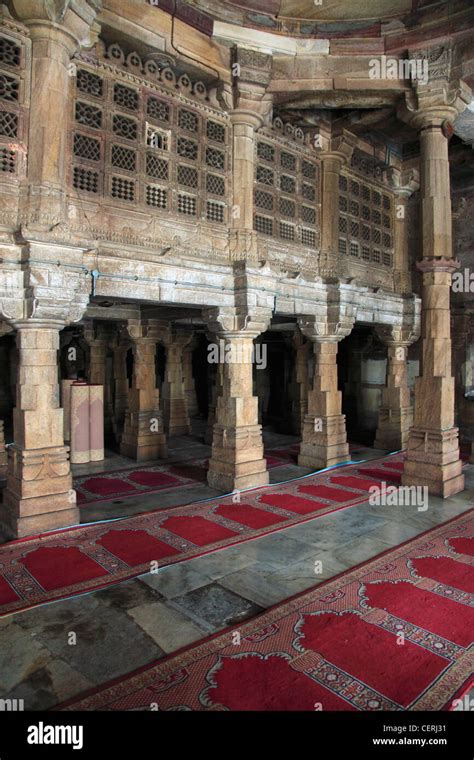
(174, 394)
(39, 492)
(395, 413)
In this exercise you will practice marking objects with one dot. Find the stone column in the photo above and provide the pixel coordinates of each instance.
(216, 391)
(403, 185)
(143, 436)
(433, 447)
(39, 493)
(57, 30)
(174, 393)
(324, 441)
(97, 339)
(120, 349)
(301, 347)
(248, 108)
(237, 459)
(3, 451)
(189, 383)
(396, 412)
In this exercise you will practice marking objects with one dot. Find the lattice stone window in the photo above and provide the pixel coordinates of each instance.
(215, 184)
(158, 109)
(387, 203)
(365, 213)
(124, 158)
(215, 131)
(263, 224)
(287, 231)
(215, 158)
(386, 240)
(365, 253)
(265, 151)
(308, 237)
(89, 83)
(10, 53)
(288, 184)
(126, 97)
(156, 196)
(342, 203)
(8, 124)
(354, 229)
(376, 236)
(355, 188)
(265, 175)
(123, 189)
(343, 225)
(187, 148)
(9, 89)
(187, 204)
(288, 161)
(85, 179)
(308, 169)
(354, 208)
(342, 183)
(214, 211)
(187, 176)
(125, 127)
(88, 115)
(386, 222)
(376, 256)
(376, 198)
(86, 147)
(365, 232)
(308, 191)
(365, 193)
(287, 207)
(188, 120)
(387, 259)
(308, 214)
(157, 167)
(342, 246)
(263, 200)
(376, 216)
(354, 249)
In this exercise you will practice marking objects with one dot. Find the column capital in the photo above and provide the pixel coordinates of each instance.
(436, 99)
(251, 70)
(142, 330)
(403, 182)
(237, 322)
(334, 145)
(393, 335)
(71, 19)
(330, 327)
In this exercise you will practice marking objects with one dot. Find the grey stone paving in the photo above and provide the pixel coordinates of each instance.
(131, 624)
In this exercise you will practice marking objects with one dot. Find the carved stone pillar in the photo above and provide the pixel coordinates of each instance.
(237, 459)
(250, 105)
(120, 349)
(433, 447)
(324, 440)
(403, 184)
(174, 394)
(3, 451)
(301, 347)
(216, 391)
(396, 412)
(143, 436)
(57, 30)
(189, 383)
(39, 493)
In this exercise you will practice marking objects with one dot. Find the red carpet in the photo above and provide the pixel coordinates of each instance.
(336, 647)
(63, 563)
(119, 484)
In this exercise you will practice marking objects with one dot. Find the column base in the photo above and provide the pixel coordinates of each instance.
(138, 442)
(393, 429)
(237, 460)
(39, 494)
(433, 460)
(326, 447)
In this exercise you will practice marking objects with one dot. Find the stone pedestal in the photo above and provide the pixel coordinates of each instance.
(39, 493)
(396, 412)
(143, 436)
